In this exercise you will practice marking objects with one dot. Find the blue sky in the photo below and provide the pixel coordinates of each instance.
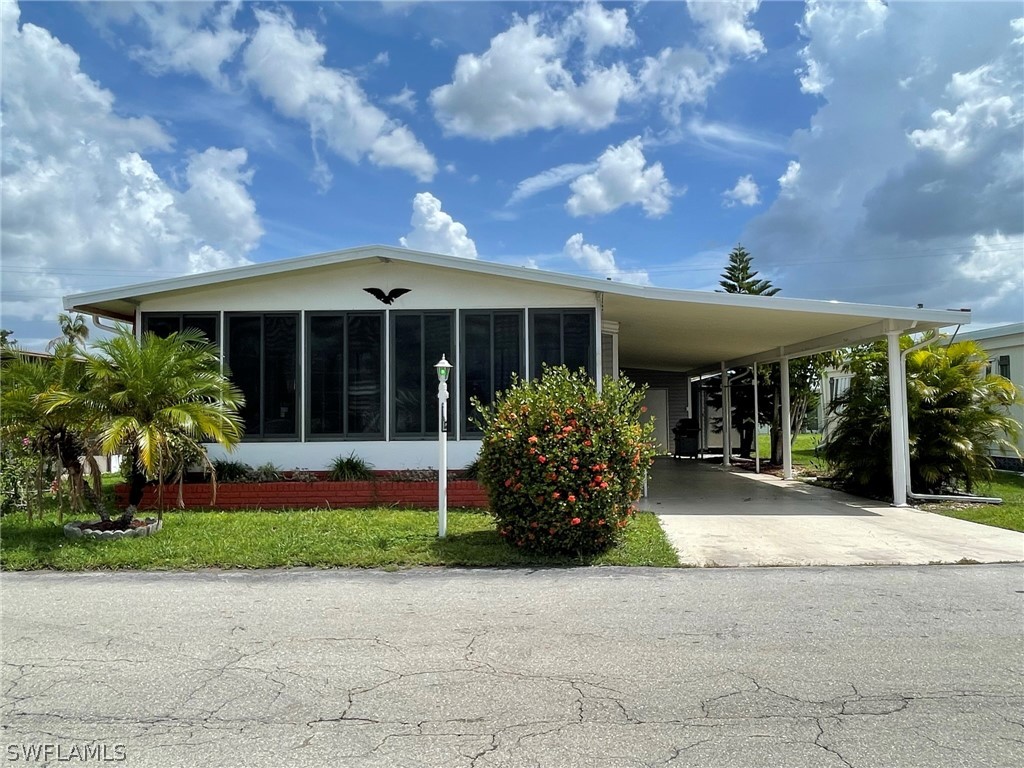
(861, 151)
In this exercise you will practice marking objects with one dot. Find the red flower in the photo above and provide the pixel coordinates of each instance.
(531, 439)
(597, 479)
(556, 495)
(575, 521)
(542, 459)
(601, 521)
(551, 531)
(587, 442)
(604, 485)
(508, 482)
(571, 498)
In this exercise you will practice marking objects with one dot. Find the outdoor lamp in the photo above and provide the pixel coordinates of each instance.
(444, 369)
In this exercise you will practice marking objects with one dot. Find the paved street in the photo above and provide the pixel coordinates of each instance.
(862, 667)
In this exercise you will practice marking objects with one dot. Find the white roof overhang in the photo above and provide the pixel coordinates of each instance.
(659, 328)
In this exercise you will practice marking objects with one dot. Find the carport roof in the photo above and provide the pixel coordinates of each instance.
(660, 328)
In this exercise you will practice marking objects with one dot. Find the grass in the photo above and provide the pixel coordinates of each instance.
(1009, 487)
(803, 448)
(361, 538)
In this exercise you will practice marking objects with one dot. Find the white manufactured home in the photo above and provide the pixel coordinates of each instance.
(1005, 347)
(335, 352)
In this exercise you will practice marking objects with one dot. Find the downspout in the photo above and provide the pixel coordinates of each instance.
(906, 444)
(101, 326)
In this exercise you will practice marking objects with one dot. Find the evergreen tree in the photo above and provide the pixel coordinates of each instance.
(739, 276)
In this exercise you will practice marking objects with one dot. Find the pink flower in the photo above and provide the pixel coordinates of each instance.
(25, 441)
(542, 459)
(575, 521)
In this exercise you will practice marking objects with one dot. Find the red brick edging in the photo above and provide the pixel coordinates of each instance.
(321, 494)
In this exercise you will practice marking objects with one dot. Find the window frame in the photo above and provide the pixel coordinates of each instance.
(299, 394)
(180, 317)
(464, 429)
(426, 366)
(561, 312)
(312, 437)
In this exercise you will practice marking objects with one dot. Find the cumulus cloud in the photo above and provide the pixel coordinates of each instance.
(746, 192)
(522, 82)
(435, 231)
(285, 64)
(726, 25)
(601, 262)
(82, 206)
(192, 38)
(908, 184)
(600, 28)
(622, 177)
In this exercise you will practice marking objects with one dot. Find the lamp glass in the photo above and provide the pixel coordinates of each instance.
(443, 368)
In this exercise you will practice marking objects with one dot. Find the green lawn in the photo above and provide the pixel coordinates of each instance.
(364, 538)
(1010, 514)
(803, 448)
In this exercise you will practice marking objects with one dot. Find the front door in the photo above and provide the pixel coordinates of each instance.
(656, 401)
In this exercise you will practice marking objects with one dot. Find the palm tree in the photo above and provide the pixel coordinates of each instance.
(60, 436)
(155, 401)
(956, 413)
(72, 329)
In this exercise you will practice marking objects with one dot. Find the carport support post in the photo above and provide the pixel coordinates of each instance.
(726, 418)
(757, 427)
(787, 428)
(897, 407)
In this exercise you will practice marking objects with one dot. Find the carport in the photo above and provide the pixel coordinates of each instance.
(725, 516)
(671, 335)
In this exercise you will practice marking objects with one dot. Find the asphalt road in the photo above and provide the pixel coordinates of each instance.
(861, 667)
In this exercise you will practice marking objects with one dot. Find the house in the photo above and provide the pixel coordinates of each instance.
(335, 352)
(1005, 347)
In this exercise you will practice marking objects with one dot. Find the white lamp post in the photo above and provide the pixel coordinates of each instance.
(444, 370)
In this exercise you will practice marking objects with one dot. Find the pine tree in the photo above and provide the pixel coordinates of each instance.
(739, 276)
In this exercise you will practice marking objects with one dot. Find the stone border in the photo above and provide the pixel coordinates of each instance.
(75, 530)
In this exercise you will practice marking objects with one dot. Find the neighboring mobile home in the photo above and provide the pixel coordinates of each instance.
(335, 352)
(1005, 347)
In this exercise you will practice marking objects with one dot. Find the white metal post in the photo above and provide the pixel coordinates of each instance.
(787, 427)
(897, 408)
(757, 424)
(726, 418)
(444, 369)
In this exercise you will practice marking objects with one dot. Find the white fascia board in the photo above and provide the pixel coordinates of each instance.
(385, 252)
(839, 340)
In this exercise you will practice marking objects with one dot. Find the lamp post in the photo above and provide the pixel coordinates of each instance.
(444, 370)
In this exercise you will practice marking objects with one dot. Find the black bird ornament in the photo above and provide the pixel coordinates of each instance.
(389, 297)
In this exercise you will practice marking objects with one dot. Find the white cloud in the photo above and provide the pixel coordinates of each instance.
(521, 83)
(789, 179)
(600, 28)
(621, 178)
(914, 158)
(82, 206)
(286, 65)
(435, 231)
(549, 179)
(746, 192)
(188, 37)
(404, 99)
(726, 25)
(601, 262)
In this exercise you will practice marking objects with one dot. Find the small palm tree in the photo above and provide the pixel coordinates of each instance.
(156, 400)
(61, 436)
(72, 329)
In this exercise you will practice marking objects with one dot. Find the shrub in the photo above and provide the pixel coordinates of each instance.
(956, 413)
(265, 473)
(472, 470)
(351, 467)
(302, 475)
(232, 471)
(563, 464)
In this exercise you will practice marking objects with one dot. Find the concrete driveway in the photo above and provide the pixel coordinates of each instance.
(728, 517)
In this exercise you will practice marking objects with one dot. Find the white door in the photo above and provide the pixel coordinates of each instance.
(656, 401)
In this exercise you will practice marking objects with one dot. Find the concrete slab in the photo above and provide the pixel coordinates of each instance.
(727, 517)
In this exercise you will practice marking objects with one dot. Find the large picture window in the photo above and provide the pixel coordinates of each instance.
(492, 351)
(561, 337)
(262, 354)
(418, 339)
(346, 374)
(163, 324)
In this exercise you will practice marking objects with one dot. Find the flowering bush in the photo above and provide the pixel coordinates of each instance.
(563, 464)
